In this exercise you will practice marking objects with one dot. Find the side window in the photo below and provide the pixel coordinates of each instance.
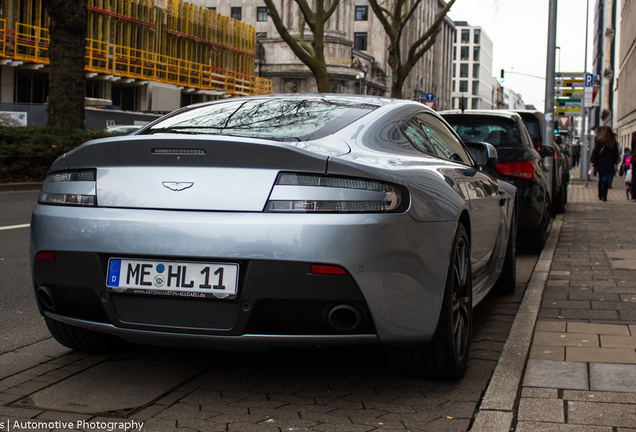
(444, 142)
(417, 138)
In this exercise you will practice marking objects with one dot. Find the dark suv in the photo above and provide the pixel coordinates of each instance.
(560, 175)
(519, 163)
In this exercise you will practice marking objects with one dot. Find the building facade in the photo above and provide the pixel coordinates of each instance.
(604, 57)
(625, 118)
(141, 55)
(472, 85)
(355, 49)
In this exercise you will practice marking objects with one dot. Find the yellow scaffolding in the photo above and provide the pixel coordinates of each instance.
(179, 43)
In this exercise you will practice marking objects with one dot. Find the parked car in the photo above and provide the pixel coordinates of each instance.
(276, 220)
(519, 164)
(122, 129)
(535, 124)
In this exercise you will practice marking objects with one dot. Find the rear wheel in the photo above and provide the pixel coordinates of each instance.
(81, 339)
(534, 241)
(445, 356)
(508, 278)
(561, 198)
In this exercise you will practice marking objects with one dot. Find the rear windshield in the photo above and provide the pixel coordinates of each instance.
(498, 131)
(276, 119)
(533, 126)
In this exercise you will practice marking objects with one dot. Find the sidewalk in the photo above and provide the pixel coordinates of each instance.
(581, 370)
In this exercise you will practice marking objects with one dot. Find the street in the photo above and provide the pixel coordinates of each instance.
(334, 388)
(19, 318)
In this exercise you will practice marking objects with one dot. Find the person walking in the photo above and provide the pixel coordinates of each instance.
(604, 158)
(576, 154)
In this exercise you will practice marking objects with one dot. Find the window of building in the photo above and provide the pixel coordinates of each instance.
(453, 86)
(475, 88)
(463, 86)
(362, 13)
(475, 70)
(213, 8)
(463, 70)
(261, 35)
(475, 103)
(465, 53)
(235, 13)
(462, 103)
(465, 36)
(360, 41)
(454, 53)
(261, 13)
(476, 36)
(476, 53)
(454, 70)
(31, 87)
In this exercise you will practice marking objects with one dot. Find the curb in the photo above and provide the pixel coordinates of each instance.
(496, 411)
(8, 187)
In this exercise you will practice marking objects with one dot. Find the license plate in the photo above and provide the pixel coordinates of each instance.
(173, 277)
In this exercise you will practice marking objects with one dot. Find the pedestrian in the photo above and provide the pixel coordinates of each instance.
(576, 154)
(604, 159)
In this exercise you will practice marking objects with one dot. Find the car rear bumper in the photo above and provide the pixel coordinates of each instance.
(397, 269)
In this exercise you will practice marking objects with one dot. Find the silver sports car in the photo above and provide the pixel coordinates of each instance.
(288, 220)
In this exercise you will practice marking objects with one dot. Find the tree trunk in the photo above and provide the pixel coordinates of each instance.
(67, 79)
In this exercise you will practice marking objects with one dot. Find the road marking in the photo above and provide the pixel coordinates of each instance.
(14, 227)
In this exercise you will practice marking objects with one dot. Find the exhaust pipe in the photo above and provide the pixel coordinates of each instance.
(48, 298)
(344, 318)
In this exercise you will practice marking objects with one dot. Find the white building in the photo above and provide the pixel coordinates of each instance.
(472, 86)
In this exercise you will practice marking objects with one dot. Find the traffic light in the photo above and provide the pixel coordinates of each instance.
(556, 130)
(501, 77)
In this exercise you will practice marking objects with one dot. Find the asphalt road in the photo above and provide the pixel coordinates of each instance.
(20, 322)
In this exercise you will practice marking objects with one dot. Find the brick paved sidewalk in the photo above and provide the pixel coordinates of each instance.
(581, 372)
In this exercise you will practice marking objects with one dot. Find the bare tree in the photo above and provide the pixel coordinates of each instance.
(311, 55)
(67, 32)
(394, 16)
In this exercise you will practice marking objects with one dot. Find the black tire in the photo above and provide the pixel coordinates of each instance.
(446, 355)
(561, 199)
(508, 278)
(533, 242)
(81, 339)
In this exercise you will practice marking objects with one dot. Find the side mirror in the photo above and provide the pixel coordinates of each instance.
(485, 154)
(546, 151)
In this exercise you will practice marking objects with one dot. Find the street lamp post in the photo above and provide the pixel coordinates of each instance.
(360, 77)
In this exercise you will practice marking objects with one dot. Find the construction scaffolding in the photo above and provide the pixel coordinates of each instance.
(169, 41)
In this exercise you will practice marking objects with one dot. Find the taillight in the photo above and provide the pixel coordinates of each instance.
(76, 188)
(524, 170)
(539, 144)
(327, 269)
(45, 256)
(306, 193)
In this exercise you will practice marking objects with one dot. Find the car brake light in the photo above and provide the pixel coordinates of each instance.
(327, 269)
(524, 170)
(305, 193)
(45, 256)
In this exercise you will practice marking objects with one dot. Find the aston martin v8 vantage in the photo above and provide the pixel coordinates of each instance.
(295, 220)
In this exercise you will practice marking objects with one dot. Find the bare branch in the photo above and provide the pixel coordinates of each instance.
(303, 55)
(410, 13)
(433, 30)
(332, 9)
(302, 38)
(379, 12)
(308, 14)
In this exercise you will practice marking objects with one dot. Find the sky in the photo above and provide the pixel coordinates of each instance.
(519, 31)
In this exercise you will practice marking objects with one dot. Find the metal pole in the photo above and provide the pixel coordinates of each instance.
(584, 157)
(548, 133)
